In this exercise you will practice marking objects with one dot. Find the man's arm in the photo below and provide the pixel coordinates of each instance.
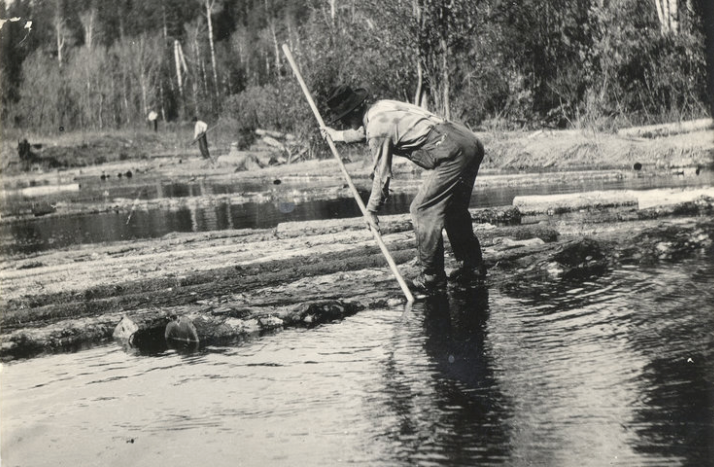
(381, 149)
(345, 136)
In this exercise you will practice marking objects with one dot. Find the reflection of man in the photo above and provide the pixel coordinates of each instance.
(449, 150)
(454, 385)
(199, 134)
(455, 328)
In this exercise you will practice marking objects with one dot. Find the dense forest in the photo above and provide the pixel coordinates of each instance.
(105, 64)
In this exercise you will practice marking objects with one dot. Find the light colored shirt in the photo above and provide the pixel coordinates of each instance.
(200, 127)
(393, 128)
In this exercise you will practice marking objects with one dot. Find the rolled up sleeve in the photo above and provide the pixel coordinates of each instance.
(381, 150)
(353, 136)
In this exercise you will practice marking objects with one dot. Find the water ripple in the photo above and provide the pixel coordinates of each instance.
(615, 370)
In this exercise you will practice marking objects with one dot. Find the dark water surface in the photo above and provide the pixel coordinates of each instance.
(617, 370)
(200, 208)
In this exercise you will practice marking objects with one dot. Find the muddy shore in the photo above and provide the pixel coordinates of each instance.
(233, 283)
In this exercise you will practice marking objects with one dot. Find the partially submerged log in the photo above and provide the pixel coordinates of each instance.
(144, 329)
(506, 215)
(562, 203)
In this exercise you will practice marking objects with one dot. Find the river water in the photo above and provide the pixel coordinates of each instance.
(615, 370)
(201, 206)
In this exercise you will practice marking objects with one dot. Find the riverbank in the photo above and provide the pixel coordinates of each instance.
(544, 150)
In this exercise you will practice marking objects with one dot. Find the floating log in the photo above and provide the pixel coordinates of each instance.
(563, 203)
(669, 197)
(653, 131)
(49, 189)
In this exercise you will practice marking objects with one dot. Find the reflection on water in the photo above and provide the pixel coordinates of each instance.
(615, 370)
(199, 210)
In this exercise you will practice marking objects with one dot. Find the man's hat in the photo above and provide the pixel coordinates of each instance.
(344, 100)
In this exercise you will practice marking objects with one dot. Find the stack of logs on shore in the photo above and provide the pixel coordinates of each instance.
(286, 148)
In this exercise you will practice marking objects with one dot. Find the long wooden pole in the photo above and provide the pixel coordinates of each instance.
(355, 193)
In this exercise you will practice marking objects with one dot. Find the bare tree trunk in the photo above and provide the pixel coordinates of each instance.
(419, 95)
(277, 47)
(271, 26)
(205, 80)
(101, 110)
(143, 75)
(209, 10)
(161, 100)
(88, 24)
(668, 13)
(194, 90)
(163, 17)
(125, 99)
(673, 16)
(183, 59)
(420, 83)
(291, 40)
(143, 83)
(59, 26)
(177, 59)
(445, 87)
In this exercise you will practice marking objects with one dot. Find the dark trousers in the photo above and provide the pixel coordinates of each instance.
(203, 146)
(443, 199)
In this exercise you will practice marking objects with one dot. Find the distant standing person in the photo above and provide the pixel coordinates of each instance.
(154, 120)
(199, 133)
(449, 150)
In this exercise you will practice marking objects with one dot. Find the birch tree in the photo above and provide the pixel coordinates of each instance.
(668, 14)
(209, 6)
(60, 30)
(89, 25)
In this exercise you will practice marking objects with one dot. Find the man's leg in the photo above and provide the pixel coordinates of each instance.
(429, 208)
(428, 215)
(458, 223)
(203, 146)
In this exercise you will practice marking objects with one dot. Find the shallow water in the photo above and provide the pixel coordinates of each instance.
(199, 211)
(616, 370)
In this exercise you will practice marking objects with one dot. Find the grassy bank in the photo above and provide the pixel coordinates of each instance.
(505, 150)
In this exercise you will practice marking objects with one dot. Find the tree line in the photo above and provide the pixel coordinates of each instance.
(105, 64)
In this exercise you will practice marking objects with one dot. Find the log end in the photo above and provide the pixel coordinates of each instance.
(181, 329)
(125, 329)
